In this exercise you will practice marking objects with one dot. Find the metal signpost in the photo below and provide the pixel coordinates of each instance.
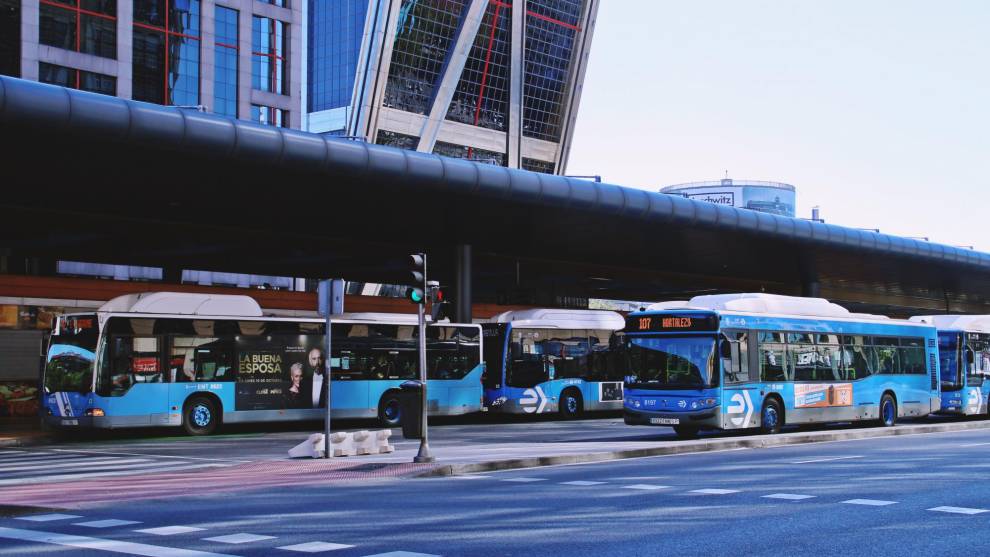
(424, 444)
(331, 302)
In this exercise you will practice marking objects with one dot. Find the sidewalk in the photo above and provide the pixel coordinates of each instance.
(452, 460)
(22, 432)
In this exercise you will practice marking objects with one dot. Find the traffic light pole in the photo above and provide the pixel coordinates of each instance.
(424, 444)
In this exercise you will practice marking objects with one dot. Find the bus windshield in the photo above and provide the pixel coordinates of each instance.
(948, 350)
(71, 352)
(671, 362)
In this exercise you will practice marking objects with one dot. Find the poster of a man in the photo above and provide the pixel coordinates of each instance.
(313, 389)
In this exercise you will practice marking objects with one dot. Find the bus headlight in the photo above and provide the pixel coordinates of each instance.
(95, 412)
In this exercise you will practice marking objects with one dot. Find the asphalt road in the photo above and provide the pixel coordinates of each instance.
(886, 496)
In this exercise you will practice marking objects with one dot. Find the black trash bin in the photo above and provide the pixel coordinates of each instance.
(411, 404)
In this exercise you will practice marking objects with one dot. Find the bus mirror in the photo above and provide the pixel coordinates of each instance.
(969, 356)
(725, 349)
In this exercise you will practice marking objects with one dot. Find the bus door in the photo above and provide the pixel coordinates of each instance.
(201, 363)
(740, 395)
(527, 372)
(977, 363)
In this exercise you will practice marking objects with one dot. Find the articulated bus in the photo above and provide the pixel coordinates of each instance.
(553, 360)
(196, 360)
(739, 361)
(964, 358)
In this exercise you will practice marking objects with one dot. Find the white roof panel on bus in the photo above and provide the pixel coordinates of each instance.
(562, 319)
(970, 323)
(759, 302)
(184, 303)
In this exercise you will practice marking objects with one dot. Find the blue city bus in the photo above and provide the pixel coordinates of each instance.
(553, 360)
(739, 361)
(196, 361)
(964, 360)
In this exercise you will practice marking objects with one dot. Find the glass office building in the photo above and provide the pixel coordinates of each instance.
(497, 81)
(241, 58)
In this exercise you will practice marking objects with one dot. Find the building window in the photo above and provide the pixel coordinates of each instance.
(482, 94)
(270, 116)
(225, 62)
(88, 26)
(279, 3)
(269, 43)
(10, 37)
(536, 165)
(551, 32)
(394, 139)
(166, 51)
(469, 153)
(335, 30)
(77, 79)
(426, 31)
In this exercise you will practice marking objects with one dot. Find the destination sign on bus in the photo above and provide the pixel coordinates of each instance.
(671, 323)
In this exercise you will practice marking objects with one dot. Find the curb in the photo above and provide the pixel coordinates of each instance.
(702, 446)
(28, 441)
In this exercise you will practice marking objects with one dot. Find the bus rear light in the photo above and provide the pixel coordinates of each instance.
(96, 412)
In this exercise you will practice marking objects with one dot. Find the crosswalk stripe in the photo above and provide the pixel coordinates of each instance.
(714, 491)
(47, 517)
(82, 463)
(582, 483)
(958, 510)
(645, 487)
(402, 554)
(47, 457)
(870, 502)
(239, 538)
(138, 469)
(788, 496)
(102, 544)
(169, 530)
(315, 547)
(108, 523)
(524, 480)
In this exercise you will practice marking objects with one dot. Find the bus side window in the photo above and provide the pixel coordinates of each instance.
(736, 366)
(859, 360)
(136, 359)
(773, 357)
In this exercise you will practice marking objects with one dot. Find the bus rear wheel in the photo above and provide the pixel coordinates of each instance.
(888, 411)
(200, 416)
(771, 417)
(390, 410)
(571, 404)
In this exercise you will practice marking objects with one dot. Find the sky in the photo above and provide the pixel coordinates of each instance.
(877, 111)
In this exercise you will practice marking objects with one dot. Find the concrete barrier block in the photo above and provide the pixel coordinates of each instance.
(343, 443)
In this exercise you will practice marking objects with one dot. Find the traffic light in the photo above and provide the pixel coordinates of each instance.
(417, 278)
(417, 269)
(415, 295)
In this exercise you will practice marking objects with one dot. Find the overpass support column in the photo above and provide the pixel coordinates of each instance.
(462, 284)
(810, 288)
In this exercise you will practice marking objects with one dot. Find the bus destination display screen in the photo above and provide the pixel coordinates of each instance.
(668, 323)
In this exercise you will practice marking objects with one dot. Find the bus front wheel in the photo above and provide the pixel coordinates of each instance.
(888, 411)
(390, 410)
(571, 404)
(200, 416)
(771, 417)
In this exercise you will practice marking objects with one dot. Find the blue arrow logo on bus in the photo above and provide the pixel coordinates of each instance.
(532, 397)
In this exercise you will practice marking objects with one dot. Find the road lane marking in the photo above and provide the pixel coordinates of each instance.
(645, 487)
(958, 510)
(402, 554)
(48, 517)
(470, 477)
(975, 445)
(170, 530)
(714, 491)
(3, 452)
(788, 496)
(138, 469)
(315, 547)
(524, 480)
(101, 544)
(870, 502)
(826, 459)
(83, 463)
(108, 523)
(239, 538)
(146, 455)
(581, 483)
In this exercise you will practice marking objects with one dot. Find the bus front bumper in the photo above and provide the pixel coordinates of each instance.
(707, 418)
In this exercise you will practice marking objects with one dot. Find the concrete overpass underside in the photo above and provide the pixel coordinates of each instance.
(97, 178)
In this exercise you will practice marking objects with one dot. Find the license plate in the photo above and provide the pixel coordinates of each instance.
(70, 422)
(665, 421)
